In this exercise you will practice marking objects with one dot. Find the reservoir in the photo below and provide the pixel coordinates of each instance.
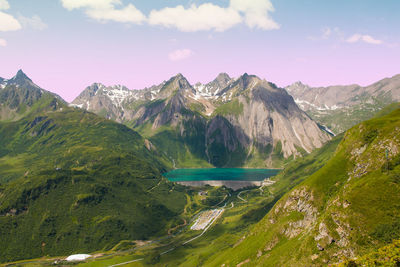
(234, 178)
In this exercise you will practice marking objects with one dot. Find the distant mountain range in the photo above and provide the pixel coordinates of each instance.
(228, 122)
(244, 121)
(340, 107)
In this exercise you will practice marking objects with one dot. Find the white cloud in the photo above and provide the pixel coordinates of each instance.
(128, 14)
(363, 38)
(105, 10)
(35, 22)
(4, 5)
(256, 13)
(196, 18)
(180, 54)
(94, 4)
(8, 23)
(204, 17)
(3, 42)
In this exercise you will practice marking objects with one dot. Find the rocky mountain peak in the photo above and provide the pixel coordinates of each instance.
(297, 86)
(246, 81)
(91, 90)
(222, 78)
(21, 91)
(179, 76)
(20, 76)
(246, 78)
(20, 79)
(177, 82)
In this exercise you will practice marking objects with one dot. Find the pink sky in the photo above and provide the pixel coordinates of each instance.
(319, 43)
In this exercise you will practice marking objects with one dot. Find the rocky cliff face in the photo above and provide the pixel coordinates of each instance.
(340, 107)
(227, 122)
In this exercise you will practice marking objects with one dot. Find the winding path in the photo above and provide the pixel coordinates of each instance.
(239, 197)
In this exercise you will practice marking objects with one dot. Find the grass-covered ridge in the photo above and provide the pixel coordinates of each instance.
(233, 107)
(348, 207)
(71, 181)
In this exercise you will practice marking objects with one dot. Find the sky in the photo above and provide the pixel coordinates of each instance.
(66, 45)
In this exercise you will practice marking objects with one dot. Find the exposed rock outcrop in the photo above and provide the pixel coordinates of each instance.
(243, 116)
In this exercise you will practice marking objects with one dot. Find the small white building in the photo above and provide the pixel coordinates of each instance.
(78, 257)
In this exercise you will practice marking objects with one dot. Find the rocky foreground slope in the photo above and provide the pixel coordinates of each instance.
(245, 121)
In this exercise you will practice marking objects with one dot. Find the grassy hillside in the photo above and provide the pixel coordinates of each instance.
(388, 255)
(72, 182)
(180, 146)
(230, 230)
(342, 119)
(348, 207)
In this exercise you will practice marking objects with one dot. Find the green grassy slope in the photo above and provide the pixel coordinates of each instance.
(342, 119)
(388, 255)
(180, 146)
(235, 223)
(349, 207)
(229, 231)
(72, 182)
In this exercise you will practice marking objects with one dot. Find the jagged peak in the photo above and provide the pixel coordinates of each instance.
(90, 90)
(20, 76)
(246, 76)
(179, 76)
(246, 79)
(223, 75)
(297, 85)
(180, 79)
(222, 79)
(96, 85)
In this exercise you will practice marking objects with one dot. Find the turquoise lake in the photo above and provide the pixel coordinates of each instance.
(236, 174)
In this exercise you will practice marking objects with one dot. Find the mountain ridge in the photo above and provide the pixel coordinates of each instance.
(341, 106)
(220, 106)
(19, 96)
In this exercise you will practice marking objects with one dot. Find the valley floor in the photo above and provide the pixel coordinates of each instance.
(204, 227)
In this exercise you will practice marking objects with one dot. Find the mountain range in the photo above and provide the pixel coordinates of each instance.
(340, 107)
(72, 180)
(228, 122)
